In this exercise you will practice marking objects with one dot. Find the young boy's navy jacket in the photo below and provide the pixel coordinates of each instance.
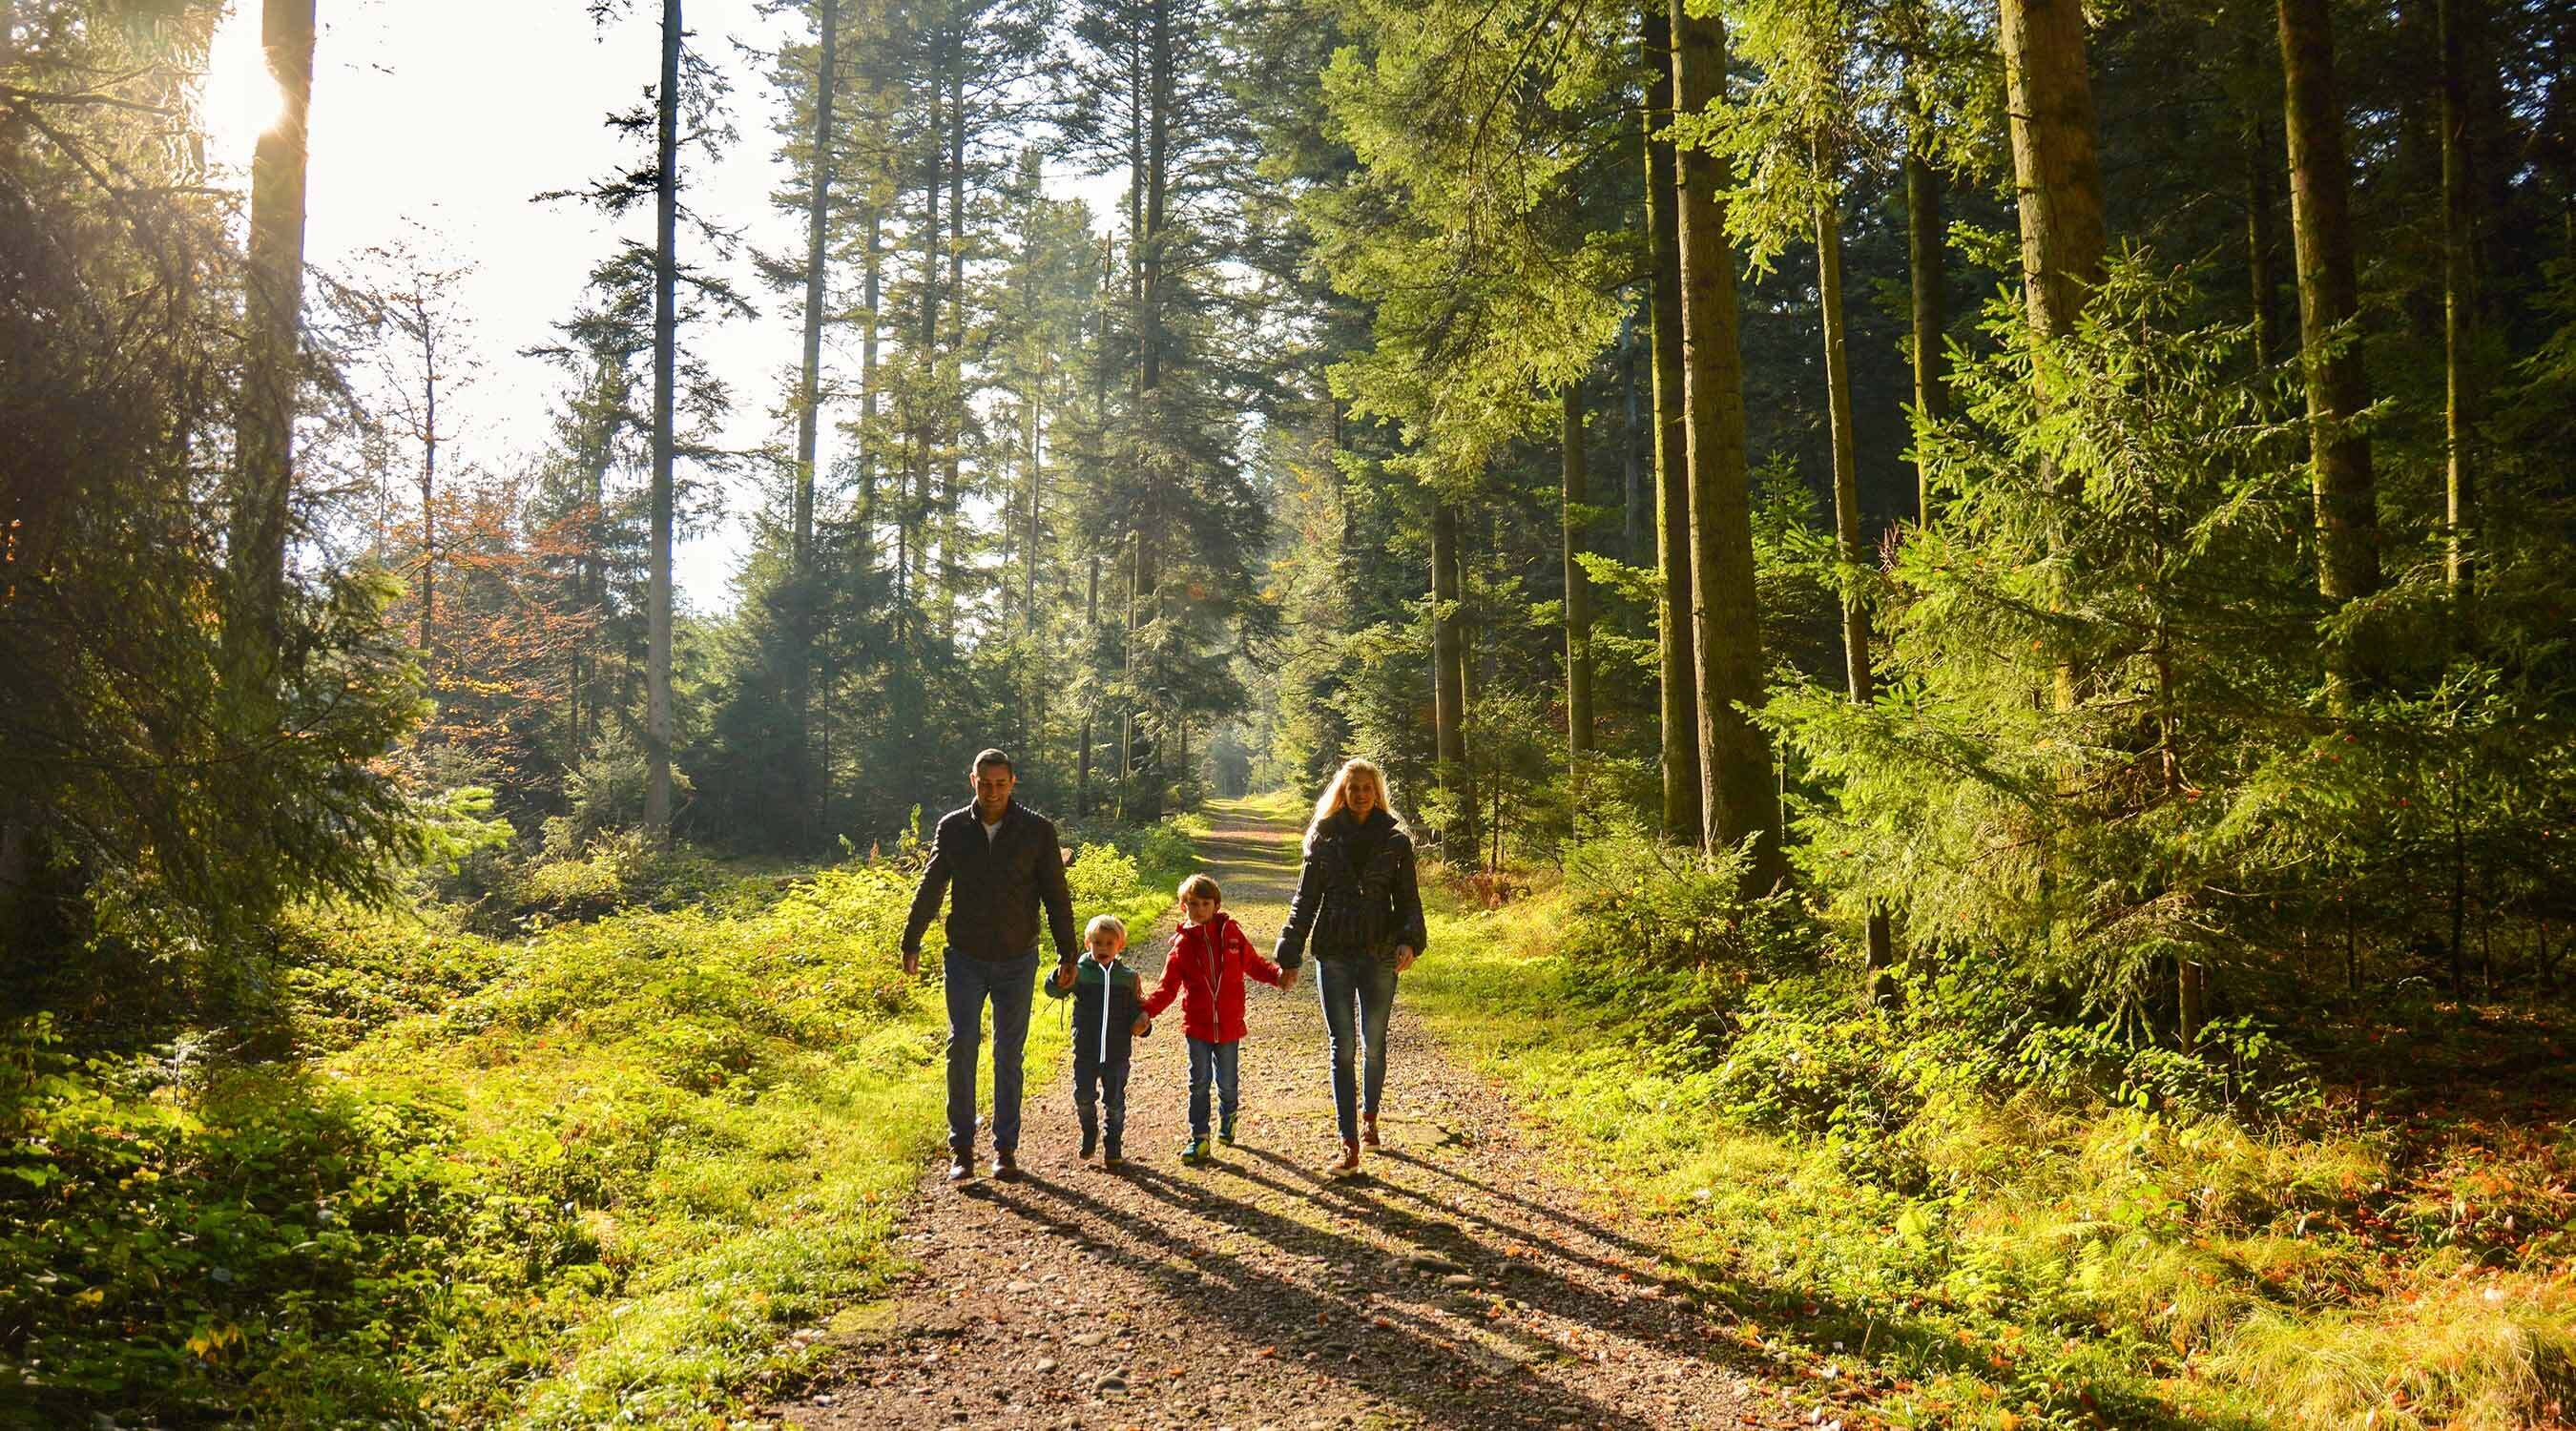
(1120, 997)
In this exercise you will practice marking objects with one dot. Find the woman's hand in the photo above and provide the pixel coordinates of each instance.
(1403, 957)
(1143, 1026)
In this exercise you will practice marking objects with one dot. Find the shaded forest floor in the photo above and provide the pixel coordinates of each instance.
(1463, 1281)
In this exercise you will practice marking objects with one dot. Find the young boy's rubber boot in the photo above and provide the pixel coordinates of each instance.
(1113, 1157)
(1090, 1142)
(1225, 1132)
(1195, 1151)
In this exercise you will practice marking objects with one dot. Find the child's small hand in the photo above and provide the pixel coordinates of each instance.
(1064, 976)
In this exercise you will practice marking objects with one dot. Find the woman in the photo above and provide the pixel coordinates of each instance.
(1356, 897)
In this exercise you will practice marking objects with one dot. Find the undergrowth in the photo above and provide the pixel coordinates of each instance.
(1966, 1211)
(619, 1172)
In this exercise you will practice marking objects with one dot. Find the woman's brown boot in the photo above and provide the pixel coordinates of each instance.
(1350, 1162)
(1368, 1130)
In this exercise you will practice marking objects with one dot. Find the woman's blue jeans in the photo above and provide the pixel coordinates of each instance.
(1359, 996)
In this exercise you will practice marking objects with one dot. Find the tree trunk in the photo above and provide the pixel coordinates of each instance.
(1636, 518)
(1880, 936)
(2459, 318)
(1449, 679)
(263, 481)
(2329, 298)
(809, 405)
(1678, 667)
(1738, 797)
(1578, 591)
(871, 293)
(1927, 264)
(2059, 178)
(666, 334)
(2262, 234)
(428, 488)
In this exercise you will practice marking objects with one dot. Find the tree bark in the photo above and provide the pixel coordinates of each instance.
(809, 405)
(263, 475)
(2459, 319)
(1738, 798)
(1578, 591)
(1636, 525)
(666, 332)
(1678, 667)
(1449, 679)
(2329, 299)
(1879, 934)
(1927, 278)
(2055, 169)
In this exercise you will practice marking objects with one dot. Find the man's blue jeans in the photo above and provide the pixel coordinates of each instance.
(1222, 1061)
(1012, 984)
(1357, 992)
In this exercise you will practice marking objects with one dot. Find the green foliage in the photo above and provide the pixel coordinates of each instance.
(1941, 1205)
(605, 1173)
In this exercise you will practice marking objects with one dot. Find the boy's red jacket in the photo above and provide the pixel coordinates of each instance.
(1205, 971)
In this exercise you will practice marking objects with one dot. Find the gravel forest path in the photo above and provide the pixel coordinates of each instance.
(1459, 1282)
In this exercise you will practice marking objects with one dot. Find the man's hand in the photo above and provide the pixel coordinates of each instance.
(1288, 977)
(912, 963)
(1064, 976)
(1403, 957)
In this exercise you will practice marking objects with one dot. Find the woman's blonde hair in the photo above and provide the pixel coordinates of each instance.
(1337, 793)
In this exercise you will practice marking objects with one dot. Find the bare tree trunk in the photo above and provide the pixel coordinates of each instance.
(2459, 318)
(666, 333)
(809, 405)
(1677, 666)
(2055, 169)
(1449, 679)
(2329, 298)
(1636, 516)
(428, 487)
(1578, 590)
(263, 476)
(1880, 948)
(871, 293)
(1738, 797)
(1926, 260)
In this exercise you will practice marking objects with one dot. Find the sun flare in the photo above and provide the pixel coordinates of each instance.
(238, 100)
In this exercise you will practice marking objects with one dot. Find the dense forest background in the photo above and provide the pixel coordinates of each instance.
(2061, 514)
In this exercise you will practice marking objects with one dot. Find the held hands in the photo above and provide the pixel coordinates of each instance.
(1288, 977)
(1143, 1026)
(1064, 976)
(1403, 957)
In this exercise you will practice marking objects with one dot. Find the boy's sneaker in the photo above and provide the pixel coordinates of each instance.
(1195, 1150)
(1225, 1132)
(1090, 1141)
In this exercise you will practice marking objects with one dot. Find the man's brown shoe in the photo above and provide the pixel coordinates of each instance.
(961, 1167)
(1006, 1167)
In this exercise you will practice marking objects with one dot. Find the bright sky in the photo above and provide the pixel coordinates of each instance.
(452, 113)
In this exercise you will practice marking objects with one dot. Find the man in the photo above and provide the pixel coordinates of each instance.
(998, 861)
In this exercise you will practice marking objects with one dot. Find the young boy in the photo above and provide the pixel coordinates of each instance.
(1211, 957)
(1107, 1014)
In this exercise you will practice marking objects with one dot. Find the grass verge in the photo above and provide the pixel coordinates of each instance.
(2003, 1260)
(623, 1172)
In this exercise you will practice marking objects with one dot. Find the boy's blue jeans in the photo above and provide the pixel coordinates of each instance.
(1220, 1060)
(1358, 990)
(1012, 985)
(1109, 1083)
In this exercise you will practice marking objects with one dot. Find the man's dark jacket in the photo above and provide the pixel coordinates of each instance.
(993, 910)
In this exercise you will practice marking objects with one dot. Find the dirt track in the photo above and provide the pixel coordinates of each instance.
(1457, 1284)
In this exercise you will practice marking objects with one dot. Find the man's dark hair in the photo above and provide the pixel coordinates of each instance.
(990, 756)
